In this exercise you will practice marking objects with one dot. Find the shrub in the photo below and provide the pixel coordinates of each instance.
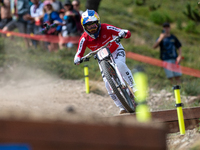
(159, 17)
(128, 2)
(191, 27)
(192, 13)
(179, 24)
(192, 88)
(154, 7)
(140, 2)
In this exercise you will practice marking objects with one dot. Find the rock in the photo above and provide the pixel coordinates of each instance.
(70, 109)
(110, 107)
(163, 91)
(192, 99)
(168, 94)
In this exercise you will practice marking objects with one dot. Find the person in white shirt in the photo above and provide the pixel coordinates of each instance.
(35, 19)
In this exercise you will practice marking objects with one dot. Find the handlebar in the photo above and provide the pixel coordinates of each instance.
(90, 54)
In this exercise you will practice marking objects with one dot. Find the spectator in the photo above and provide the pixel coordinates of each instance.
(169, 44)
(19, 8)
(71, 19)
(6, 16)
(35, 19)
(57, 5)
(36, 13)
(30, 3)
(76, 5)
(62, 14)
(51, 17)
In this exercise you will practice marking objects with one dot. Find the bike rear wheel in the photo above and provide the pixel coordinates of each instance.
(121, 93)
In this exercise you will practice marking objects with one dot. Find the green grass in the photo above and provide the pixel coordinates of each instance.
(123, 14)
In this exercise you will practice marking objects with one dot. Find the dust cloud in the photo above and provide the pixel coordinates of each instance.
(35, 94)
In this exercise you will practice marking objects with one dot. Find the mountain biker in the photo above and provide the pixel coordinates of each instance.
(98, 34)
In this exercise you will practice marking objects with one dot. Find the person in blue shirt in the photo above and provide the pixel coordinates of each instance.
(51, 17)
(170, 52)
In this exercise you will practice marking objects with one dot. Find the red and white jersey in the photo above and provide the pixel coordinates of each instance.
(107, 33)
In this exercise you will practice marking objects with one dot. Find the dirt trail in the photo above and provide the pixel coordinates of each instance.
(31, 94)
(50, 97)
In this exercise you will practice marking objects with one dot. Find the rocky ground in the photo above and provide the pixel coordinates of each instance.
(37, 95)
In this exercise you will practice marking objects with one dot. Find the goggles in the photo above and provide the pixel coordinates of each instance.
(90, 23)
(91, 27)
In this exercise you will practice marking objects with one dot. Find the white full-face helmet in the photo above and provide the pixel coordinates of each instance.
(91, 23)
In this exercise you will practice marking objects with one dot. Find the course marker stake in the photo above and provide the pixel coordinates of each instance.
(179, 106)
(142, 110)
(86, 74)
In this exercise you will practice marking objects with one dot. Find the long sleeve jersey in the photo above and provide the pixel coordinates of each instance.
(107, 33)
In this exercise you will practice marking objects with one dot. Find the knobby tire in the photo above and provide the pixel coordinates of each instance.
(110, 73)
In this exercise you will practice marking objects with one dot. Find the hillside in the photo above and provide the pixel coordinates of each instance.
(37, 84)
(140, 20)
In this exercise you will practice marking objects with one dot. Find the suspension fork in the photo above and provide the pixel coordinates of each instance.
(118, 72)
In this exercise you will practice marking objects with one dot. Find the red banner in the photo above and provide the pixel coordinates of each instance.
(159, 63)
(46, 38)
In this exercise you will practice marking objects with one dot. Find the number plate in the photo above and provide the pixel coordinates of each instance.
(103, 54)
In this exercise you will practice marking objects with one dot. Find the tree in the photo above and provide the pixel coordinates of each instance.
(92, 4)
(192, 13)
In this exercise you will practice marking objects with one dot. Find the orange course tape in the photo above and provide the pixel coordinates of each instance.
(135, 56)
(159, 63)
(47, 38)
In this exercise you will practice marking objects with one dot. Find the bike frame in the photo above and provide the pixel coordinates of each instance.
(112, 62)
(118, 72)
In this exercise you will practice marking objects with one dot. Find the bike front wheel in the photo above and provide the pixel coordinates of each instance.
(124, 94)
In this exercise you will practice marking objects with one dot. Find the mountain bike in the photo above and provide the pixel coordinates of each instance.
(111, 72)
